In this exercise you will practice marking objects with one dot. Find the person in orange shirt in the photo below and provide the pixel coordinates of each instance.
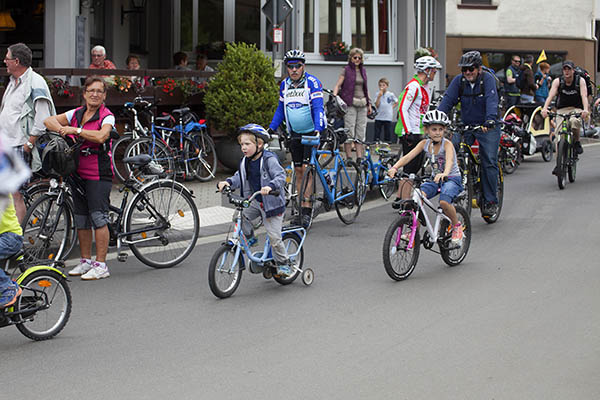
(99, 60)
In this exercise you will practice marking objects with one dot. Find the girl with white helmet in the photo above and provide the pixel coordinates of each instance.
(446, 178)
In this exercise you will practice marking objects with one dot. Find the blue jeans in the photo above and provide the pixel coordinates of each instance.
(488, 155)
(386, 127)
(526, 99)
(10, 243)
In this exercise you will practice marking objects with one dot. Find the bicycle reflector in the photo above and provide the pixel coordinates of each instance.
(51, 256)
(143, 235)
(44, 283)
(180, 212)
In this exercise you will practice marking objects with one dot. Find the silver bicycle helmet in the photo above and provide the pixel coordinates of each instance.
(294, 55)
(470, 58)
(426, 62)
(435, 117)
(257, 131)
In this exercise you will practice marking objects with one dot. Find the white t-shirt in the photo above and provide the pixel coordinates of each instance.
(385, 111)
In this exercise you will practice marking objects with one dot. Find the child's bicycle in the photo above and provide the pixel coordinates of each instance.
(44, 306)
(228, 262)
(402, 240)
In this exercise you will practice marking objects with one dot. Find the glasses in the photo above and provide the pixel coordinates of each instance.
(94, 91)
(470, 69)
(517, 61)
(97, 55)
(295, 66)
(357, 58)
(9, 59)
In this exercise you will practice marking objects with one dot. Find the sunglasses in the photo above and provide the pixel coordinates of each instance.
(295, 66)
(470, 69)
(566, 67)
(357, 58)
(517, 61)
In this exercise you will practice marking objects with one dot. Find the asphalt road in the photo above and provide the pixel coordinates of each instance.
(517, 320)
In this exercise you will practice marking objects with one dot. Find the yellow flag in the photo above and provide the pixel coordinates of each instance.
(542, 57)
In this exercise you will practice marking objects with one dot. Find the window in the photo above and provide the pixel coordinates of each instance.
(362, 24)
(247, 21)
(424, 23)
(330, 22)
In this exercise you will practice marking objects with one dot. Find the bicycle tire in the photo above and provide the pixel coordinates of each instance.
(219, 270)
(174, 242)
(59, 302)
(48, 230)
(453, 257)
(298, 261)
(309, 178)
(465, 198)
(329, 143)
(399, 261)
(207, 156)
(364, 172)
(509, 163)
(34, 190)
(160, 153)
(547, 150)
(389, 186)
(561, 162)
(572, 166)
(290, 190)
(118, 151)
(347, 209)
(500, 196)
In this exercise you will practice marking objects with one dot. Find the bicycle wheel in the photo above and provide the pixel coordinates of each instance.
(291, 242)
(329, 142)
(389, 186)
(398, 260)
(451, 254)
(572, 167)
(561, 162)
(307, 195)
(364, 186)
(161, 154)
(165, 213)
(348, 208)
(48, 230)
(44, 305)
(508, 161)
(464, 199)
(290, 189)
(224, 273)
(547, 150)
(118, 150)
(500, 196)
(206, 156)
(34, 191)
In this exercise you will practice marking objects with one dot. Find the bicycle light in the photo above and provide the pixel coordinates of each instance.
(53, 183)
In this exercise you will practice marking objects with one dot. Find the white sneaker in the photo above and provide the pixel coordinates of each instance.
(81, 268)
(97, 272)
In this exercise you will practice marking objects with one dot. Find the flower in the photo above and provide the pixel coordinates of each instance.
(60, 87)
(335, 48)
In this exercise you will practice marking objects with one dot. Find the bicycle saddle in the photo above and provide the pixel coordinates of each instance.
(165, 118)
(140, 160)
(180, 110)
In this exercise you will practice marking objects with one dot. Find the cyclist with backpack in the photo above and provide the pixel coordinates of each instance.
(571, 89)
(476, 90)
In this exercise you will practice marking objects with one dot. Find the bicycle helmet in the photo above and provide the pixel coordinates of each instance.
(335, 107)
(59, 157)
(294, 55)
(470, 58)
(373, 112)
(426, 62)
(256, 130)
(435, 117)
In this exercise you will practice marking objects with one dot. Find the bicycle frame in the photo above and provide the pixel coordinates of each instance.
(373, 169)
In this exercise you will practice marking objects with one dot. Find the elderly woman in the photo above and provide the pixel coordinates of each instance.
(133, 64)
(352, 88)
(92, 124)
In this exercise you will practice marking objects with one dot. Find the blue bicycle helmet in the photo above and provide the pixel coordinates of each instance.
(257, 130)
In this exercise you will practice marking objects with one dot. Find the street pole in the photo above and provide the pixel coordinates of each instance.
(274, 19)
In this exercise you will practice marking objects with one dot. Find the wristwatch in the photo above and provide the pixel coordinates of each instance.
(78, 131)
(29, 145)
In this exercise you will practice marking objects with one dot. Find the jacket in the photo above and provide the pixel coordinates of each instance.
(347, 89)
(478, 105)
(529, 81)
(272, 174)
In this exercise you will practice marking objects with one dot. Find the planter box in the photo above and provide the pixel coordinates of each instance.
(338, 57)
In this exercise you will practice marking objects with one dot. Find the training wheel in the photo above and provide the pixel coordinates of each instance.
(308, 276)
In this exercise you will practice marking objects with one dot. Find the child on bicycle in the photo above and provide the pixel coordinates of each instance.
(260, 171)
(11, 241)
(446, 174)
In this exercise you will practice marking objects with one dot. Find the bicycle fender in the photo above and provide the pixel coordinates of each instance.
(169, 182)
(31, 270)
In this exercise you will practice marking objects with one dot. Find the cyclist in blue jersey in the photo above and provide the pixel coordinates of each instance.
(301, 106)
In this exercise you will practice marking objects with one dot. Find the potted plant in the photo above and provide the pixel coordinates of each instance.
(336, 51)
(243, 91)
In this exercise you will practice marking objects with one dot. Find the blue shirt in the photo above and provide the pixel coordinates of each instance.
(254, 176)
(478, 104)
(543, 90)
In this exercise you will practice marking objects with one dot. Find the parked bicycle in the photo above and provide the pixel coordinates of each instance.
(374, 174)
(228, 262)
(566, 156)
(44, 306)
(402, 240)
(471, 170)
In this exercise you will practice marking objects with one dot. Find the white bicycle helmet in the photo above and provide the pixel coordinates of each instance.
(294, 55)
(426, 62)
(435, 117)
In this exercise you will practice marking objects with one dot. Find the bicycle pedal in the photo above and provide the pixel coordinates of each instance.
(122, 257)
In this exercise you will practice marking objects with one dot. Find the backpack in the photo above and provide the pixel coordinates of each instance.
(60, 156)
(522, 80)
(463, 82)
(579, 72)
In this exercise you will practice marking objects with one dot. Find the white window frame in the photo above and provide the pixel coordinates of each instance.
(374, 57)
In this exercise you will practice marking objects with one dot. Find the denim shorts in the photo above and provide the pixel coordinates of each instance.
(448, 190)
(10, 243)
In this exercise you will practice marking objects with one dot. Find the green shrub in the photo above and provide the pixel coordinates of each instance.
(243, 90)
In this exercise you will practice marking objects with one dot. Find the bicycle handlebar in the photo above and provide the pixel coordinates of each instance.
(576, 114)
(243, 202)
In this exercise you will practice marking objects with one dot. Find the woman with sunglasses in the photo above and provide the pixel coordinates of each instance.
(352, 88)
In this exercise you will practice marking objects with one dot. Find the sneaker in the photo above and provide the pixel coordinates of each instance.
(490, 208)
(397, 204)
(556, 171)
(457, 234)
(578, 148)
(83, 267)
(9, 295)
(284, 271)
(306, 220)
(97, 272)
(252, 241)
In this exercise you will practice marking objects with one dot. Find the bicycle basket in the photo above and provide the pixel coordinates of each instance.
(60, 155)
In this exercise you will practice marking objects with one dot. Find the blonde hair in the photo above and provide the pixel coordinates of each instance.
(384, 80)
(355, 51)
(257, 141)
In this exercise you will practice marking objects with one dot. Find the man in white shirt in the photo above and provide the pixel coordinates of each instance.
(25, 105)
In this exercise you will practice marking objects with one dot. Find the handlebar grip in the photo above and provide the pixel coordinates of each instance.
(274, 192)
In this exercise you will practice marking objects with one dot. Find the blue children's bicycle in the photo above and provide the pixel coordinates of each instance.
(375, 173)
(228, 262)
(340, 190)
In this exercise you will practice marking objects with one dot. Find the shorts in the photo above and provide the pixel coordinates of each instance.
(575, 122)
(355, 121)
(26, 157)
(10, 244)
(300, 153)
(91, 210)
(448, 190)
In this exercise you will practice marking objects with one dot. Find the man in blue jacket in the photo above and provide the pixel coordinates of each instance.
(476, 91)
